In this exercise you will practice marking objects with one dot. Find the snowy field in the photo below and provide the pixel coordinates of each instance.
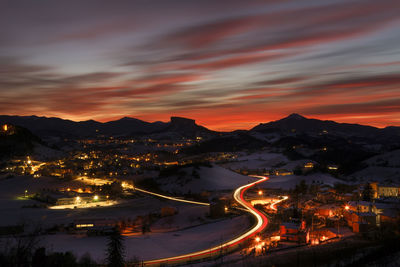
(151, 244)
(377, 174)
(390, 159)
(258, 160)
(188, 231)
(211, 179)
(14, 210)
(383, 168)
(290, 181)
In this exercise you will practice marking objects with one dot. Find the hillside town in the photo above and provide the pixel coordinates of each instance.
(148, 188)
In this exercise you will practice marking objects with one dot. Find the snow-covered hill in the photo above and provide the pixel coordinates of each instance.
(215, 178)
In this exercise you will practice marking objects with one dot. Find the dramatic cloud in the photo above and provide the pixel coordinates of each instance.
(227, 64)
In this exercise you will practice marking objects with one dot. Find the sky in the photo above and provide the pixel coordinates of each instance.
(226, 64)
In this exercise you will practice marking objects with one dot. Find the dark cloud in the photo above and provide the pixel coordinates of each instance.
(374, 107)
(348, 85)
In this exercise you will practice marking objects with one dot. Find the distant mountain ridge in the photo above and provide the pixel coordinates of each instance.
(296, 123)
(184, 127)
(44, 126)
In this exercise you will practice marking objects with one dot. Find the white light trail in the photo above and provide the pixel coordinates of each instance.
(262, 222)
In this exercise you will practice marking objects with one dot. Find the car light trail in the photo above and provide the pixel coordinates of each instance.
(262, 222)
(171, 198)
(278, 201)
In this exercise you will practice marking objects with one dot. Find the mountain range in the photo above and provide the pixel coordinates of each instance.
(48, 127)
(183, 127)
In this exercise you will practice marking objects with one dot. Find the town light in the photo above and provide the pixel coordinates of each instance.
(5, 127)
(347, 207)
(258, 239)
(78, 199)
(260, 192)
(96, 197)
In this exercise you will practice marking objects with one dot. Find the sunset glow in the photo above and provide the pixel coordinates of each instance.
(228, 65)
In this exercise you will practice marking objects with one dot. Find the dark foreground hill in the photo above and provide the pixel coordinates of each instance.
(16, 141)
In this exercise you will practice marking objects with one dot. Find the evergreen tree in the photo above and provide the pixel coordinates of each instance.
(368, 193)
(86, 261)
(115, 250)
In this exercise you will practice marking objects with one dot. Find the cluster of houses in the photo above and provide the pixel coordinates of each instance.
(382, 210)
(332, 210)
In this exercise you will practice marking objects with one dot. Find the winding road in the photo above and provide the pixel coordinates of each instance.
(261, 223)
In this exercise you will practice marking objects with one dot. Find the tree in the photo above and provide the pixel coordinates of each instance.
(195, 174)
(39, 257)
(86, 261)
(60, 259)
(367, 193)
(301, 188)
(115, 250)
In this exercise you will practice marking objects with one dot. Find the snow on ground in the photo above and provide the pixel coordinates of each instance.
(257, 160)
(44, 153)
(290, 181)
(390, 159)
(154, 245)
(270, 137)
(381, 168)
(296, 163)
(378, 174)
(14, 210)
(190, 215)
(215, 178)
(10, 187)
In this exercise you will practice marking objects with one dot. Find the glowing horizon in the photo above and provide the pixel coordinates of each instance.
(244, 125)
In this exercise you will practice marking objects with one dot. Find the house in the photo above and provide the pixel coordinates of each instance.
(390, 216)
(327, 210)
(332, 167)
(218, 208)
(361, 221)
(95, 226)
(309, 165)
(362, 206)
(326, 196)
(294, 231)
(360, 227)
(282, 172)
(386, 190)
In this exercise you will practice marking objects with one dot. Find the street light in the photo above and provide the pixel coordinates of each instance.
(258, 239)
(260, 192)
(26, 191)
(96, 197)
